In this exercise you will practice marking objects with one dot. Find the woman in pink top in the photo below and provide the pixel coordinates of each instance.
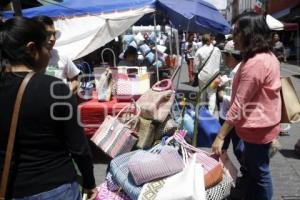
(255, 110)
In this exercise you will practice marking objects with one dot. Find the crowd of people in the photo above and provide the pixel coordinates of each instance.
(47, 149)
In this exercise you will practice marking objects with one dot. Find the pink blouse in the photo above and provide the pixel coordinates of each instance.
(256, 103)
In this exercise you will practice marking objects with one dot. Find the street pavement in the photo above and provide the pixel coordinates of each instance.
(285, 165)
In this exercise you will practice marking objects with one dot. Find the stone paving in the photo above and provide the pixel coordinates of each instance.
(285, 165)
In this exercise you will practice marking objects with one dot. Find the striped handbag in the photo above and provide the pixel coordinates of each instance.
(114, 137)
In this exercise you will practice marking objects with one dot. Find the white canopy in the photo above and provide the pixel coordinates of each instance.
(99, 30)
(274, 24)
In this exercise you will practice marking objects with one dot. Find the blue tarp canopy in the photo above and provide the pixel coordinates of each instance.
(70, 8)
(194, 15)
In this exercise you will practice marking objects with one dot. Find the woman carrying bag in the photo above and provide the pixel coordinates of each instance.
(47, 137)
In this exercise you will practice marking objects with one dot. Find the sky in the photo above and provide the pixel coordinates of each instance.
(220, 4)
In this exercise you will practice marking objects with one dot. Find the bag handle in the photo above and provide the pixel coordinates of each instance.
(178, 138)
(113, 53)
(127, 108)
(162, 85)
(12, 134)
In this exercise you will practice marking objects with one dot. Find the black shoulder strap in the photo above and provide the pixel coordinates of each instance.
(206, 60)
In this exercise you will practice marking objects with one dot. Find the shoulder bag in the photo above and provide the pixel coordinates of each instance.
(12, 135)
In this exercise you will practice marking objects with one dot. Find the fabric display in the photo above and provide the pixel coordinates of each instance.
(120, 173)
(145, 43)
(156, 103)
(163, 39)
(127, 39)
(133, 44)
(139, 38)
(131, 85)
(114, 137)
(146, 133)
(161, 49)
(145, 49)
(104, 86)
(147, 166)
(150, 57)
(104, 193)
(158, 64)
(186, 185)
(196, 176)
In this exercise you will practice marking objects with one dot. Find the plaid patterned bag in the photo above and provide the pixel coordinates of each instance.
(114, 137)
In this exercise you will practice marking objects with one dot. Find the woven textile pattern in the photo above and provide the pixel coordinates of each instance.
(120, 173)
(105, 194)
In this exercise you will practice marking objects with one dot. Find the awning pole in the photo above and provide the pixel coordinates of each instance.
(156, 54)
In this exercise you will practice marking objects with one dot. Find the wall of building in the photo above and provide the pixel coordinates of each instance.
(278, 5)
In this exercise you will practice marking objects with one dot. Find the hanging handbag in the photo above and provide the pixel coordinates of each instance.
(290, 102)
(156, 103)
(12, 134)
(104, 86)
(114, 137)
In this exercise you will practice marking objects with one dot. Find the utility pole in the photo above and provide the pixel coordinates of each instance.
(17, 8)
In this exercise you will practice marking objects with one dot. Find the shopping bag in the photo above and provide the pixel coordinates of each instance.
(186, 185)
(131, 85)
(212, 165)
(229, 169)
(290, 102)
(104, 86)
(156, 103)
(114, 137)
(146, 133)
(146, 166)
(221, 190)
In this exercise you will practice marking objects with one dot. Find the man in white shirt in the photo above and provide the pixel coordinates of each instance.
(59, 65)
(207, 60)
